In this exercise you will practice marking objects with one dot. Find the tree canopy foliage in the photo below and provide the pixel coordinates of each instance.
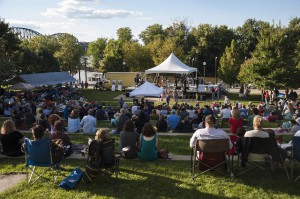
(263, 54)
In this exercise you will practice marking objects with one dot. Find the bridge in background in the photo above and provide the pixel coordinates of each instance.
(26, 33)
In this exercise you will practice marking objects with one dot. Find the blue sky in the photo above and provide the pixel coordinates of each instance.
(89, 19)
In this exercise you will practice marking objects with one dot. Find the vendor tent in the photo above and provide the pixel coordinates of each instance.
(51, 78)
(147, 89)
(21, 86)
(171, 65)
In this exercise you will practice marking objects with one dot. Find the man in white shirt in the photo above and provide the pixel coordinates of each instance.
(88, 122)
(210, 132)
(225, 112)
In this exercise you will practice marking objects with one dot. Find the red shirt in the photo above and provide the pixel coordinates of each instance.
(235, 124)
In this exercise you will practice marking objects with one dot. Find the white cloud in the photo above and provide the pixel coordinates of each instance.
(83, 9)
(35, 25)
(24, 24)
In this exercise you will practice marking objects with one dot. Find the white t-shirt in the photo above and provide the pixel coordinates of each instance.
(208, 133)
(225, 113)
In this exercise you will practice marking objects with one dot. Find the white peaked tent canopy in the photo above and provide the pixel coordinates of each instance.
(171, 65)
(147, 89)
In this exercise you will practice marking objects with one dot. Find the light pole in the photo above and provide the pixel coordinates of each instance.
(216, 69)
(245, 59)
(204, 64)
(124, 64)
(194, 59)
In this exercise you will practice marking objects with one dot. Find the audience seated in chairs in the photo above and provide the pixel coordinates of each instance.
(210, 133)
(11, 139)
(129, 138)
(259, 147)
(100, 156)
(41, 152)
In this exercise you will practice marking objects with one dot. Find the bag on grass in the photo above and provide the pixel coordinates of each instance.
(163, 153)
(72, 180)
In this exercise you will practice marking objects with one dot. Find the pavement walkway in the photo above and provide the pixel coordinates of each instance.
(8, 181)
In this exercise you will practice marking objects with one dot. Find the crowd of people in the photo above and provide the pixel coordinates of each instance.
(137, 125)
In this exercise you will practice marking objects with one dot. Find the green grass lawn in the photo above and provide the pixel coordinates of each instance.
(159, 179)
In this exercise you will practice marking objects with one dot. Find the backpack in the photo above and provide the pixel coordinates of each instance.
(94, 156)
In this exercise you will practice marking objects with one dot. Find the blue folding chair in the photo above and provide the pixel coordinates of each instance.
(38, 154)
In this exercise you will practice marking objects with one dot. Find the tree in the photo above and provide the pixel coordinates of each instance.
(124, 34)
(230, 64)
(69, 53)
(113, 57)
(247, 36)
(272, 64)
(38, 55)
(136, 57)
(152, 33)
(210, 42)
(96, 51)
(9, 53)
(161, 49)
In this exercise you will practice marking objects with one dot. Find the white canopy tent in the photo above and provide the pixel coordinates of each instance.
(172, 65)
(147, 89)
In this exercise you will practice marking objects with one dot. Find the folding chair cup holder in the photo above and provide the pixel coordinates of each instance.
(209, 155)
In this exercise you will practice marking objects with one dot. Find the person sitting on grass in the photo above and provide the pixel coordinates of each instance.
(58, 136)
(11, 139)
(173, 120)
(148, 143)
(129, 137)
(162, 125)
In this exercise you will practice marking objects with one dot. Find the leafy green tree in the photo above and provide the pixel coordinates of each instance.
(69, 53)
(247, 36)
(210, 42)
(96, 51)
(273, 65)
(124, 34)
(9, 53)
(137, 57)
(38, 55)
(113, 57)
(161, 49)
(230, 64)
(152, 33)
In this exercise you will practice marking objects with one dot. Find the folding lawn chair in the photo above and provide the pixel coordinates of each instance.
(254, 152)
(101, 159)
(295, 155)
(38, 154)
(210, 154)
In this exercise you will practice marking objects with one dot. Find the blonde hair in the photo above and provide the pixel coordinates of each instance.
(236, 113)
(257, 122)
(101, 134)
(8, 126)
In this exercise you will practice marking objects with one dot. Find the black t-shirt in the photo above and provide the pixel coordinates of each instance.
(10, 142)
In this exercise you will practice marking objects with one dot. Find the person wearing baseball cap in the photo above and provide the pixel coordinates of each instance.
(209, 132)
